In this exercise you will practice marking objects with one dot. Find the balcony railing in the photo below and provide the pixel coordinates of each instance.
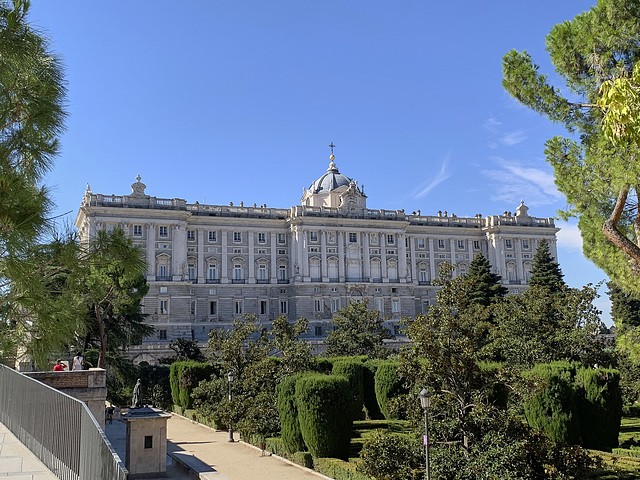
(316, 279)
(238, 281)
(262, 280)
(161, 278)
(213, 280)
(283, 280)
(424, 282)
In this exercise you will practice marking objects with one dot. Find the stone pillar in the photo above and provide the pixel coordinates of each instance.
(304, 241)
(146, 442)
(323, 256)
(201, 272)
(224, 267)
(341, 255)
(432, 261)
(366, 257)
(252, 262)
(402, 258)
(151, 252)
(412, 249)
(179, 252)
(273, 261)
(452, 246)
(383, 257)
(519, 269)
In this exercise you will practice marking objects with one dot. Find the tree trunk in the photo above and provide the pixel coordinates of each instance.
(103, 338)
(610, 228)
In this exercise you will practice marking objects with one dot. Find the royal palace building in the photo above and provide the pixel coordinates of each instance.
(210, 264)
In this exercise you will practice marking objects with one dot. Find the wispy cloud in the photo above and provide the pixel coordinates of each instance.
(569, 237)
(513, 138)
(442, 175)
(513, 181)
(492, 124)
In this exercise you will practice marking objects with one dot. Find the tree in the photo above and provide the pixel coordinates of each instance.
(286, 341)
(545, 272)
(598, 177)
(111, 284)
(359, 332)
(486, 288)
(186, 350)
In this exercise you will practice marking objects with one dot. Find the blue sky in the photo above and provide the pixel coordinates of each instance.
(230, 101)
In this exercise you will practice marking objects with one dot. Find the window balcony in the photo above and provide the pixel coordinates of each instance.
(394, 280)
(376, 280)
(283, 280)
(238, 281)
(163, 278)
(213, 280)
(262, 280)
(314, 279)
(424, 282)
(334, 280)
(354, 279)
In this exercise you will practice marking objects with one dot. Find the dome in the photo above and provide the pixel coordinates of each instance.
(330, 181)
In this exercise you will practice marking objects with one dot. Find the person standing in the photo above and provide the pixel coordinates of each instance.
(78, 362)
(59, 366)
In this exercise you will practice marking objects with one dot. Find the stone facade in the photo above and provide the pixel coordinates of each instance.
(209, 264)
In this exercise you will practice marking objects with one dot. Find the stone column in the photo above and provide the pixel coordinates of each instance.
(402, 260)
(323, 256)
(341, 255)
(224, 267)
(305, 255)
(383, 258)
(151, 252)
(366, 257)
(452, 246)
(252, 263)
(412, 249)
(519, 269)
(432, 261)
(179, 252)
(273, 262)
(201, 273)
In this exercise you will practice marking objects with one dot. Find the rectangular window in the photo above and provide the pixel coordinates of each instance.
(353, 237)
(476, 244)
(191, 235)
(148, 441)
(390, 240)
(422, 276)
(507, 243)
(395, 305)
(317, 306)
(282, 251)
(335, 304)
(213, 307)
(525, 243)
(391, 251)
(282, 238)
(262, 272)
(460, 244)
(421, 243)
(317, 330)
(212, 272)
(284, 307)
(191, 271)
(237, 237)
(237, 250)
(162, 334)
(440, 243)
(375, 251)
(237, 271)
(163, 289)
(212, 236)
(163, 231)
(163, 307)
(238, 307)
(262, 238)
(425, 306)
(137, 230)
(192, 307)
(380, 305)
(263, 307)
(313, 236)
(282, 272)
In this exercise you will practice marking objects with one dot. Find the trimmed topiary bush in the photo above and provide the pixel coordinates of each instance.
(184, 377)
(553, 410)
(352, 371)
(289, 426)
(323, 403)
(369, 389)
(387, 386)
(599, 406)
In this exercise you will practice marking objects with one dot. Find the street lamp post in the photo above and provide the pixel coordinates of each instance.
(425, 403)
(230, 378)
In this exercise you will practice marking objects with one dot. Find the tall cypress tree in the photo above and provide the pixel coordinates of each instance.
(545, 272)
(625, 306)
(486, 287)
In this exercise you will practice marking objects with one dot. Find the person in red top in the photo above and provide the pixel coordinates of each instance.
(59, 366)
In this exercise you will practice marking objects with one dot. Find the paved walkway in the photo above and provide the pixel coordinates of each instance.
(210, 456)
(17, 462)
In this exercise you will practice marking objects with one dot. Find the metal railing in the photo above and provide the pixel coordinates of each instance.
(58, 429)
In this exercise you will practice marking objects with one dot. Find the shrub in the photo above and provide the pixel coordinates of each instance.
(352, 371)
(369, 389)
(392, 457)
(303, 458)
(184, 377)
(599, 406)
(553, 409)
(387, 386)
(338, 469)
(323, 403)
(289, 426)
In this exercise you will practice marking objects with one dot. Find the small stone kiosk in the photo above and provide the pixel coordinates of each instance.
(146, 443)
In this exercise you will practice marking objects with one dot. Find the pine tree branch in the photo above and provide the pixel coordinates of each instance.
(610, 228)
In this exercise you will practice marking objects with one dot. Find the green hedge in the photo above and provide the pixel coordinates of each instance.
(338, 469)
(626, 452)
(369, 389)
(289, 424)
(387, 386)
(184, 377)
(323, 403)
(553, 409)
(599, 406)
(352, 371)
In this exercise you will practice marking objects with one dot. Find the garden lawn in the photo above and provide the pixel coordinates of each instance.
(618, 465)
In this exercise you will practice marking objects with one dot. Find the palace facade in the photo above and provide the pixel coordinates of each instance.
(210, 264)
